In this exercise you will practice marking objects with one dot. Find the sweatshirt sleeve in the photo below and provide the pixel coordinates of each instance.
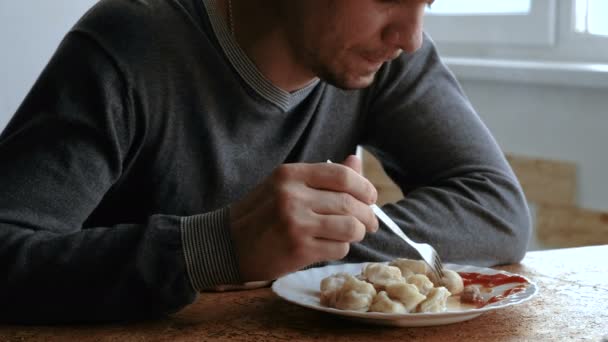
(461, 195)
(63, 150)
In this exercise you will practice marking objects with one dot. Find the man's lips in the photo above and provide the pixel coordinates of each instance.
(380, 59)
(375, 61)
(371, 65)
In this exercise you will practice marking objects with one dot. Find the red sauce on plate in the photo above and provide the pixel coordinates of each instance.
(493, 280)
(490, 280)
(516, 289)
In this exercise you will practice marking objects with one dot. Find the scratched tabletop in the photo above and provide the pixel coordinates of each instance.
(572, 305)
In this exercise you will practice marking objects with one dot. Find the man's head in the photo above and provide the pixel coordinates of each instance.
(345, 42)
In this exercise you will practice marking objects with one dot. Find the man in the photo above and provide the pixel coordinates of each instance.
(173, 146)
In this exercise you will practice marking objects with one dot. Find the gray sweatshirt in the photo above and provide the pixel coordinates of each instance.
(118, 170)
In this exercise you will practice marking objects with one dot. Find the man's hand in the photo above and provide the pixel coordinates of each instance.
(302, 214)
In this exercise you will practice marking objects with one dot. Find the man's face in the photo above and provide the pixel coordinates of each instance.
(345, 42)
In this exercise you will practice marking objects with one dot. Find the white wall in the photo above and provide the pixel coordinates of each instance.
(30, 31)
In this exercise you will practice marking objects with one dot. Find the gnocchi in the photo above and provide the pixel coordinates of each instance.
(402, 286)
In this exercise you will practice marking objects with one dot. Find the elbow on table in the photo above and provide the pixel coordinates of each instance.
(517, 236)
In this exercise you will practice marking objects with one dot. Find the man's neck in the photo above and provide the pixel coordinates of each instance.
(259, 33)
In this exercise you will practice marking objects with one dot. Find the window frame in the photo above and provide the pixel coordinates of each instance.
(536, 28)
(567, 45)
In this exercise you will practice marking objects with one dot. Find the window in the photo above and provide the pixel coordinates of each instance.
(477, 7)
(546, 30)
(588, 17)
(529, 22)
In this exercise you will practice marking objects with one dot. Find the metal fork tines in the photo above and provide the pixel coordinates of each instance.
(426, 251)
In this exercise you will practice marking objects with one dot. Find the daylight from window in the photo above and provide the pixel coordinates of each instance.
(591, 17)
(480, 7)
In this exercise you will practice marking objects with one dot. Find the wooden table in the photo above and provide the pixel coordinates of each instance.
(572, 305)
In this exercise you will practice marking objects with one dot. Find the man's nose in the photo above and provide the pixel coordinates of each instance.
(405, 34)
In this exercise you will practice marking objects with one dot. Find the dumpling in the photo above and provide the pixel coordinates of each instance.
(452, 281)
(436, 301)
(405, 293)
(409, 266)
(383, 303)
(354, 295)
(422, 282)
(330, 286)
(472, 295)
(381, 275)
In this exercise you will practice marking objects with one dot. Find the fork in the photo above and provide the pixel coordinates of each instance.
(426, 251)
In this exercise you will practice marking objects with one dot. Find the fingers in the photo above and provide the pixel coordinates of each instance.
(354, 163)
(339, 178)
(339, 228)
(328, 189)
(343, 204)
(325, 250)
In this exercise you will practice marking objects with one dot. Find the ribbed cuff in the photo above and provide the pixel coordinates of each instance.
(208, 249)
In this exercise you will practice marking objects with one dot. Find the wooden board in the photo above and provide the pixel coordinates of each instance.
(546, 181)
(565, 226)
(388, 191)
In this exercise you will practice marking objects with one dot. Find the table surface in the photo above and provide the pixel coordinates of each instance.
(572, 304)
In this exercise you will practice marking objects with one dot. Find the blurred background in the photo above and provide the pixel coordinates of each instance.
(535, 70)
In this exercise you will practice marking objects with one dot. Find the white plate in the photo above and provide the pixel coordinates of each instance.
(302, 288)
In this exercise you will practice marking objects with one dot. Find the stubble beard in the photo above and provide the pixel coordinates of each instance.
(337, 70)
(344, 80)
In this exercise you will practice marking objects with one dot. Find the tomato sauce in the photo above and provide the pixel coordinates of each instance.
(490, 280)
(493, 280)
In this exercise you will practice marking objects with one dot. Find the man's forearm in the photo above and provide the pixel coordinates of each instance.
(479, 218)
(98, 274)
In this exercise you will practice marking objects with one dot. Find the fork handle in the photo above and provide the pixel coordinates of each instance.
(391, 224)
